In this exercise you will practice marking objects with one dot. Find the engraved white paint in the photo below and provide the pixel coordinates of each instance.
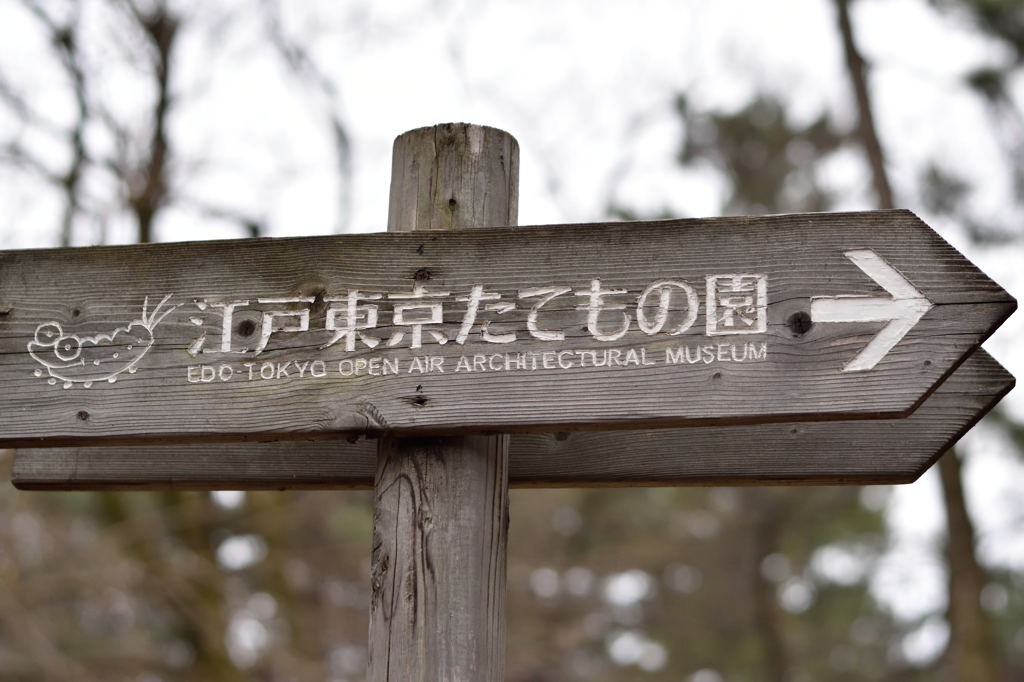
(716, 352)
(492, 337)
(476, 295)
(546, 294)
(417, 315)
(356, 318)
(268, 327)
(664, 290)
(902, 310)
(78, 359)
(476, 363)
(596, 304)
(205, 374)
(197, 345)
(737, 304)
(226, 321)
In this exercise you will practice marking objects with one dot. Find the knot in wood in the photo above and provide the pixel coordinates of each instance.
(799, 323)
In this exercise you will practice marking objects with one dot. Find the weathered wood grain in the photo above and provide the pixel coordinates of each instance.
(880, 451)
(439, 546)
(440, 520)
(801, 377)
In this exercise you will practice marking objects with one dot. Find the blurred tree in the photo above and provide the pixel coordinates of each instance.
(108, 161)
(62, 34)
(973, 651)
(165, 592)
(771, 162)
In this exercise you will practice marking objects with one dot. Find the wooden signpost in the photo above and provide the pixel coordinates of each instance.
(818, 348)
(672, 323)
(854, 452)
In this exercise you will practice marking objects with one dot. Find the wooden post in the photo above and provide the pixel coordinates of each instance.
(441, 504)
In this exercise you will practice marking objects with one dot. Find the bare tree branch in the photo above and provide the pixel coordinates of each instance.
(62, 35)
(299, 61)
(149, 186)
(865, 118)
(253, 227)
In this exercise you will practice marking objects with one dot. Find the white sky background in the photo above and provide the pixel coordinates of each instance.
(586, 87)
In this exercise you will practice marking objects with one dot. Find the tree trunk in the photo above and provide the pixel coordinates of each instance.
(972, 651)
(865, 118)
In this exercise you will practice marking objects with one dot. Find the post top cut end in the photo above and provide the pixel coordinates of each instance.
(455, 128)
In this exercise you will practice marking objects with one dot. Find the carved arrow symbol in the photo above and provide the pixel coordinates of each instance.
(902, 311)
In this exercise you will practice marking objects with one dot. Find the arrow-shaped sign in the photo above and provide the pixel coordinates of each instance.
(902, 310)
(533, 329)
(860, 451)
